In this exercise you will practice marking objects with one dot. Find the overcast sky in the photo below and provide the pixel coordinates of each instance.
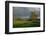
(25, 11)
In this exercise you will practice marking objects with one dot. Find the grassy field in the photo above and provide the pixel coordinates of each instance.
(18, 24)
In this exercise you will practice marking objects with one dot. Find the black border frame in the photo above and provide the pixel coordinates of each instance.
(7, 16)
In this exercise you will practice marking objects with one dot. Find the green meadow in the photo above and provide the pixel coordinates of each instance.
(21, 24)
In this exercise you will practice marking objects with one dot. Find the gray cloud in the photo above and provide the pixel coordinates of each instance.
(25, 11)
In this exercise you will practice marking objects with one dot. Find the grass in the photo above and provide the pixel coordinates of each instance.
(18, 24)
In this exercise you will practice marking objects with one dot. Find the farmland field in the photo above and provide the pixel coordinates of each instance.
(18, 24)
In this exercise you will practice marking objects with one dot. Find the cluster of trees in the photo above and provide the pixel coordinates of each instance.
(34, 18)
